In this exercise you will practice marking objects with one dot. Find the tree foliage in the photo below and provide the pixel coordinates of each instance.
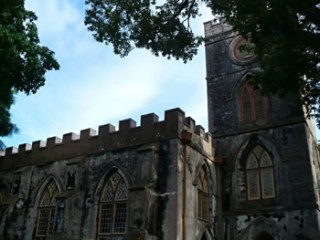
(163, 29)
(286, 35)
(23, 61)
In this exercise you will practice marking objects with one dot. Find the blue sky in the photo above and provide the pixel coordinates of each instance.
(94, 86)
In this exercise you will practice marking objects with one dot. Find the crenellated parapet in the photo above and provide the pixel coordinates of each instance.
(213, 29)
(90, 142)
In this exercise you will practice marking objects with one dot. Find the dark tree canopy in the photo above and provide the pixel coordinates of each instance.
(23, 62)
(286, 35)
(142, 23)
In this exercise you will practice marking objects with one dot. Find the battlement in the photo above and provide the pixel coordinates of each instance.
(89, 142)
(213, 29)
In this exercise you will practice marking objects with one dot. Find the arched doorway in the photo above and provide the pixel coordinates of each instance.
(263, 236)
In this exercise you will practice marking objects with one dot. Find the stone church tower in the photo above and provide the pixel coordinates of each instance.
(255, 177)
(269, 178)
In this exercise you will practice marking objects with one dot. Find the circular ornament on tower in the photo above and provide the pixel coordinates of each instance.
(241, 50)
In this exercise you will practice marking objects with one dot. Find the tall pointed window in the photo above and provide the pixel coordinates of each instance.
(252, 104)
(259, 171)
(113, 209)
(203, 195)
(46, 211)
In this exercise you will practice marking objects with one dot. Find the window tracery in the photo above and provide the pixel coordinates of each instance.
(259, 172)
(112, 219)
(46, 211)
(203, 195)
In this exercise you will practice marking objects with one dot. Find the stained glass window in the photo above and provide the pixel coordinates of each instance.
(46, 211)
(113, 209)
(203, 196)
(259, 171)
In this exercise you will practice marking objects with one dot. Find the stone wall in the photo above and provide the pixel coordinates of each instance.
(149, 157)
(285, 134)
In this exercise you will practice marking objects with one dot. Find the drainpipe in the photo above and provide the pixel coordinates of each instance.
(186, 139)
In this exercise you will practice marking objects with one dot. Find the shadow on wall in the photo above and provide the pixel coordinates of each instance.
(263, 236)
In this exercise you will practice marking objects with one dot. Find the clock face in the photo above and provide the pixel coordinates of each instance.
(241, 50)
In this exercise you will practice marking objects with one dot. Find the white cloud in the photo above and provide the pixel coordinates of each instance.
(55, 17)
(95, 87)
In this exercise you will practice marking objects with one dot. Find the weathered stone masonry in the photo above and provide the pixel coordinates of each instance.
(164, 179)
(150, 159)
(245, 124)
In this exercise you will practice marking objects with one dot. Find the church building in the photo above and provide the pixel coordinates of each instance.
(269, 179)
(153, 181)
(253, 176)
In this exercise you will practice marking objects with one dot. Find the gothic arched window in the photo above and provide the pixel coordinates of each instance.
(259, 172)
(203, 195)
(47, 211)
(252, 104)
(113, 209)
